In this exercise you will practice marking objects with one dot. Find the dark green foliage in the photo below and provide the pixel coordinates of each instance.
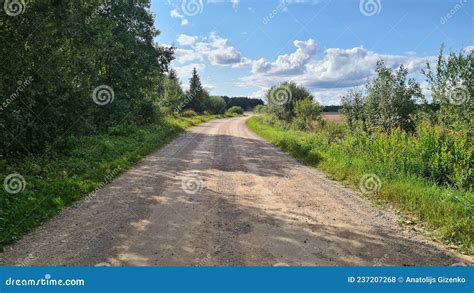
(236, 110)
(196, 95)
(56, 54)
(172, 97)
(248, 104)
(281, 99)
(215, 105)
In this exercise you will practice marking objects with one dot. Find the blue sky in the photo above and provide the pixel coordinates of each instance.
(242, 47)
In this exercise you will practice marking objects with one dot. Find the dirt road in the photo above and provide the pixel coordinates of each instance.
(219, 195)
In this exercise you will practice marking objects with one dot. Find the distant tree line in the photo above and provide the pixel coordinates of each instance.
(247, 104)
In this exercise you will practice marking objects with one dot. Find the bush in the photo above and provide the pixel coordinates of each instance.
(189, 113)
(307, 114)
(282, 98)
(260, 109)
(215, 105)
(236, 110)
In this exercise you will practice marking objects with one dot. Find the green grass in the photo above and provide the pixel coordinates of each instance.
(447, 212)
(77, 168)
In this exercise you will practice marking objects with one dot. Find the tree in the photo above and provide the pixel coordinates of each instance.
(91, 45)
(171, 100)
(281, 99)
(246, 103)
(196, 93)
(353, 109)
(306, 114)
(391, 100)
(453, 90)
(215, 104)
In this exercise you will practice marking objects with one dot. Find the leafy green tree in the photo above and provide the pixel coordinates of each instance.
(196, 93)
(281, 99)
(452, 89)
(81, 46)
(391, 100)
(172, 95)
(215, 104)
(353, 109)
(235, 110)
(306, 114)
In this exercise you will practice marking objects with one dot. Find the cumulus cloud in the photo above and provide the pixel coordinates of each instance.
(176, 14)
(215, 49)
(185, 71)
(186, 40)
(338, 68)
(469, 49)
(288, 64)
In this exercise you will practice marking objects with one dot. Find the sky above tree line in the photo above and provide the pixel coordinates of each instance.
(242, 47)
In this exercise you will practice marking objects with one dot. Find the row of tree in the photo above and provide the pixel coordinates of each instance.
(80, 67)
(197, 98)
(394, 101)
(74, 68)
(391, 100)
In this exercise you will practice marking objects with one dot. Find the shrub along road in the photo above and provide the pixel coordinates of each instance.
(220, 195)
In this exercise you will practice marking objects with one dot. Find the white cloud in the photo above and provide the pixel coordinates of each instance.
(469, 49)
(235, 3)
(176, 14)
(186, 40)
(215, 49)
(185, 71)
(289, 63)
(338, 68)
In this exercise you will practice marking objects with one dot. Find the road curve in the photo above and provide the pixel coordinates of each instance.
(219, 195)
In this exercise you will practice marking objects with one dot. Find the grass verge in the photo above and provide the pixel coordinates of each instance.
(75, 169)
(445, 213)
